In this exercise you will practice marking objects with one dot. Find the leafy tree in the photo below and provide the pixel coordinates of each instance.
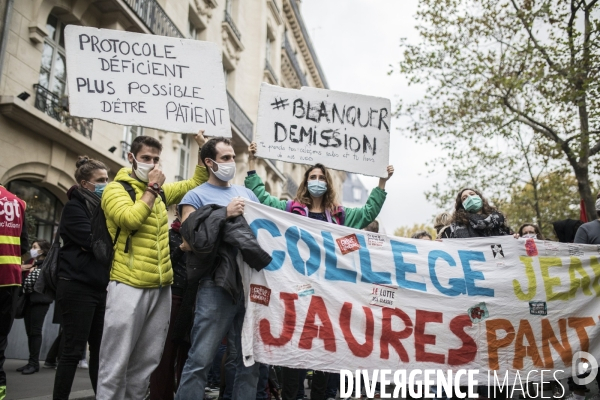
(506, 72)
(408, 231)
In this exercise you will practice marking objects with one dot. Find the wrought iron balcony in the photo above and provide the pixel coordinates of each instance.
(292, 56)
(239, 118)
(154, 17)
(51, 104)
(229, 20)
(271, 70)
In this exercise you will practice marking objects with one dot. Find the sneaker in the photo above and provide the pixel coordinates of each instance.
(21, 369)
(83, 364)
(50, 365)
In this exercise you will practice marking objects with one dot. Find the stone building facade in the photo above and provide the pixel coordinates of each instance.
(261, 41)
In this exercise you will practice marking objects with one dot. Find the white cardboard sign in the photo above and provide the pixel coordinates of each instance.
(159, 82)
(343, 131)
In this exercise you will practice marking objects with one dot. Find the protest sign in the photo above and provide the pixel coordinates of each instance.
(343, 131)
(171, 84)
(476, 304)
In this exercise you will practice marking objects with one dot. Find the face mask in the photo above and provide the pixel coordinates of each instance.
(529, 236)
(98, 188)
(34, 253)
(598, 205)
(317, 188)
(473, 203)
(141, 170)
(225, 171)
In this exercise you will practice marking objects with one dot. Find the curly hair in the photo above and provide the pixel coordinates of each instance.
(460, 215)
(330, 196)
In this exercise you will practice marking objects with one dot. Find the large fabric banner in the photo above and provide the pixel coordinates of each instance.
(338, 298)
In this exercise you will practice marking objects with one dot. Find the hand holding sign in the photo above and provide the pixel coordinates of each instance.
(383, 181)
(199, 138)
(252, 156)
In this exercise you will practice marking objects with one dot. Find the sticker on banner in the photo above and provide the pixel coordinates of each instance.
(478, 313)
(348, 244)
(538, 308)
(497, 251)
(531, 248)
(305, 289)
(260, 294)
(552, 248)
(575, 250)
(375, 240)
(383, 296)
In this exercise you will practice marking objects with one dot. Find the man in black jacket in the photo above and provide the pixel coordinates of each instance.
(219, 237)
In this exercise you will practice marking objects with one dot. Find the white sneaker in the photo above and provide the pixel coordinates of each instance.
(83, 364)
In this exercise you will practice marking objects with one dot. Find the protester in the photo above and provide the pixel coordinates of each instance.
(212, 215)
(475, 217)
(36, 305)
(14, 235)
(316, 199)
(138, 302)
(423, 235)
(441, 222)
(566, 229)
(162, 380)
(81, 288)
(530, 231)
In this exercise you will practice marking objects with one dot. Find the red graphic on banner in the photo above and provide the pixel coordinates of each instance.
(348, 243)
(531, 248)
(260, 294)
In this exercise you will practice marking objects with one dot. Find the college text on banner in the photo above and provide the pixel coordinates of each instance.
(171, 84)
(343, 131)
(338, 298)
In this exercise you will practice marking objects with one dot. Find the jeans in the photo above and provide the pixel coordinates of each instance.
(216, 314)
(230, 365)
(34, 321)
(82, 308)
(7, 317)
(214, 377)
(263, 381)
(333, 383)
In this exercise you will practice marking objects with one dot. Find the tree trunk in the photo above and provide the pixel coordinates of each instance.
(585, 192)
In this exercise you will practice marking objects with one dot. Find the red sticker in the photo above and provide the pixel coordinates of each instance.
(260, 294)
(531, 248)
(348, 243)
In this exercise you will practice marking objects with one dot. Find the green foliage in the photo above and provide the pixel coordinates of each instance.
(408, 231)
(512, 92)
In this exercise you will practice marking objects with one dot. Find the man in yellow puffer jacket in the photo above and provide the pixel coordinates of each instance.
(138, 303)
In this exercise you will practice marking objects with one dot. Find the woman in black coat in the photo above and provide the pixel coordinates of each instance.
(36, 306)
(81, 288)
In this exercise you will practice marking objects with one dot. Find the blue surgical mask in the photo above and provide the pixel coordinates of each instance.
(98, 188)
(473, 203)
(317, 188)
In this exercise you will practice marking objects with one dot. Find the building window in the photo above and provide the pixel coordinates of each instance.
(129, 134)
(53, 72)
(184, 158)
(268, 50)
(192, 30)
(43, 209)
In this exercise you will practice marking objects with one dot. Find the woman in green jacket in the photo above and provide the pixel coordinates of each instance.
(316, 197)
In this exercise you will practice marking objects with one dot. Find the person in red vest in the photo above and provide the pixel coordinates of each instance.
(14, 242)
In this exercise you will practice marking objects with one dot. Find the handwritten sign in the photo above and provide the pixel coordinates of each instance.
(343, 131)
(171, 84)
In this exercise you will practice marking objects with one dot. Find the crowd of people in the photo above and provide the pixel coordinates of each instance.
(163, 318)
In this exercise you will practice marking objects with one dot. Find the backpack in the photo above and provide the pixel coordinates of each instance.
(103, 245)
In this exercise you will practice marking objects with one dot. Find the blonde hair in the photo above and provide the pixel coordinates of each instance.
(330, 196)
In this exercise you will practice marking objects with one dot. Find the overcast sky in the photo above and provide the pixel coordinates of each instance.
(356, 42)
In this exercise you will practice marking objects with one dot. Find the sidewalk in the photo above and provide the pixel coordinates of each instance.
(39, 385)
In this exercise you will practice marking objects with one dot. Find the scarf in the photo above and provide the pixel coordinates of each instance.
(90, 199)
(176, 225)
(481, 225)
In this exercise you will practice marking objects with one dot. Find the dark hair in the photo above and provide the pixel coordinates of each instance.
(86, 167)
(421, 234)
(372, 227)
(329, 198)
(140, 141)
(44, 246)
(209, 150)
(535, 228)
(460, 215)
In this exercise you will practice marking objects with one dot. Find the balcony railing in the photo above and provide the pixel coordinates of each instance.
(239, 118)
(292, 56)
(51, 104)
(229, 20)
(154, 17)
(269, 68)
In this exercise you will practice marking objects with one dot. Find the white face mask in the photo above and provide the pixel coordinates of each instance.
(225, 171)
(34, 253)
(142, 170)
(529, 236)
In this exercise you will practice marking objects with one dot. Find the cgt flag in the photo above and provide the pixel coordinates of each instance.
(337, 298)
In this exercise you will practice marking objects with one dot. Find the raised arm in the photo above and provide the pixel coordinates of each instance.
(255, 183)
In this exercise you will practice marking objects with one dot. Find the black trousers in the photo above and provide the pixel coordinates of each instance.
(34, 321)
(82, 308)
(7, 317)
(56, 348)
